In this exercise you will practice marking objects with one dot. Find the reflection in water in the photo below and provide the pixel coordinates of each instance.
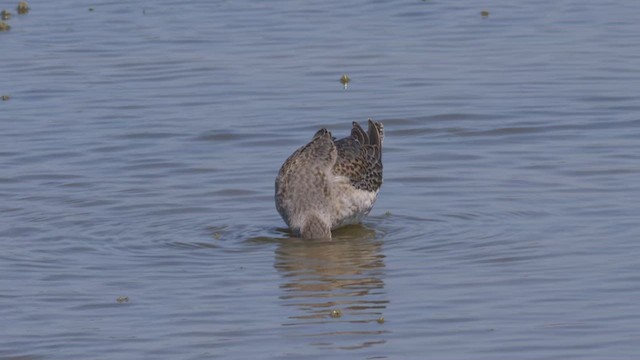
(335, 289)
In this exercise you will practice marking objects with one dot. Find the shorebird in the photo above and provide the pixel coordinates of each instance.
(330, 183)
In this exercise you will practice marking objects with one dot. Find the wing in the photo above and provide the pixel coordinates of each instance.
(360, 157)
(303, 176)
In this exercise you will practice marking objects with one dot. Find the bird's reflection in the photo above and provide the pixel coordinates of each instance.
(334, 290)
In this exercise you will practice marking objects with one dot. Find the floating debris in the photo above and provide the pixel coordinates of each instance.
(90, 9)
(4, 26)
(380, 320)
(387, 213)
(484, 13)
(5, 15)
(23, 7)
(217, 236)
(6, 97)
(122, 299)
(336, 313)
(344, 80)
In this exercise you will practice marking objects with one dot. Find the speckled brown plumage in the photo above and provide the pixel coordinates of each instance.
(328, 183)
(360, 157)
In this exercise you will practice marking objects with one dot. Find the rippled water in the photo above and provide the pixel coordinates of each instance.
(140, 143)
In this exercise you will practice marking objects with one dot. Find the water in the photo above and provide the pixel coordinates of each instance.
(140, 145)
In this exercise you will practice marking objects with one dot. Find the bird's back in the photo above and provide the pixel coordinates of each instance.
(329, 183)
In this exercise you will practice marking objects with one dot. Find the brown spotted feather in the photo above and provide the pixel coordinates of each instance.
(329, 183)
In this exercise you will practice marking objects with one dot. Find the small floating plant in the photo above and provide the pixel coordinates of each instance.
(484, 13)
(4, 26)
(5, 15)
(23, 7)
(344, 80)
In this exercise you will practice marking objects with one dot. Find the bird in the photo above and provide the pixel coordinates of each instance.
(329, 183)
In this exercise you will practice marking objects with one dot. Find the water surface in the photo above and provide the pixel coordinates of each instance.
(140, 145)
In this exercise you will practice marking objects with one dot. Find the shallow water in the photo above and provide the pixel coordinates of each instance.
(139, 148)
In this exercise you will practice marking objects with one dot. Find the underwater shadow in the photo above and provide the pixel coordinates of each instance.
(333, 290)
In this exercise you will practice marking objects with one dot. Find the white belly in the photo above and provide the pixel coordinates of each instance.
(350, 205)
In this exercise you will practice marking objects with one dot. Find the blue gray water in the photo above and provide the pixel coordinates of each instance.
(141, 140)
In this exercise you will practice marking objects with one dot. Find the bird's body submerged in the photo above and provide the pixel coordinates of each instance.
(329, 183)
